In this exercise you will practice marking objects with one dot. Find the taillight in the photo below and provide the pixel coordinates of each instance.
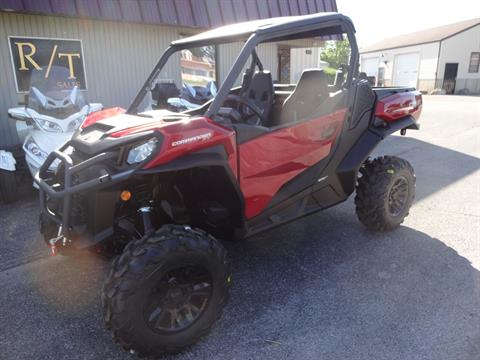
(100, 115)
(399, 105)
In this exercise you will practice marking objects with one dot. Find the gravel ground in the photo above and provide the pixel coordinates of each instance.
(321, 287)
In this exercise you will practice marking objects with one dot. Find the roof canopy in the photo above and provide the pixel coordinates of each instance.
(188, 13)
(241, 31)
(421, 37)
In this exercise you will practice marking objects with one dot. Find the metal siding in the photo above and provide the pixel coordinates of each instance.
(284, 9)
(214, 13)
(200, 14)
(312, 8)
(228, 14)
(149, 11)
(12, 5)
(35, 5)
(88, 8)
(294, 8)
(110, 10)
(168, 12)
(328, 6)
(240, 11)
(227, 53)
(334, 6)
(188, 13)
(274, 9)
(131, 10)
(61, 7)
(118, 57)
(302, 5)
(252, 9)
(184, 11)
(268, 54)
(263, 9)
(8, 134)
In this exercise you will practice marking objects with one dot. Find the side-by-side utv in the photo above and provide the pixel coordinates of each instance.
(162, 189)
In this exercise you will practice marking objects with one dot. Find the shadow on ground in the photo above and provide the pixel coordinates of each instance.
(436, 167)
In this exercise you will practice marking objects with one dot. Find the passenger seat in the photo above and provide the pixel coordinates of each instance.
(310, 92)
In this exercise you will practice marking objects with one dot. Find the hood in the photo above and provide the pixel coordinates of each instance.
(101, 132)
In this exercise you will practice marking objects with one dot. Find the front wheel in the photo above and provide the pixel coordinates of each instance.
(166, 290)
(385, 192)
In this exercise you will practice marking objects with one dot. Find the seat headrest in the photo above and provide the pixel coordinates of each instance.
(261, 77)
(313, 80)
(261, 86)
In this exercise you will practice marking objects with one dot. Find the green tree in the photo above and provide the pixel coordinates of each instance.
(336, 52)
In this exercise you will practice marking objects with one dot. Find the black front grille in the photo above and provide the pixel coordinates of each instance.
(79, 205)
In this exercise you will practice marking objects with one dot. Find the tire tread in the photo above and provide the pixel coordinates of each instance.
(372, 189)
(145, 253)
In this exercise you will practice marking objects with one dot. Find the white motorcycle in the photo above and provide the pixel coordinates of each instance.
(166, 95)
(54, 109)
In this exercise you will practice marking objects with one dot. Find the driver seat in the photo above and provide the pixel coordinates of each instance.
(260, 90)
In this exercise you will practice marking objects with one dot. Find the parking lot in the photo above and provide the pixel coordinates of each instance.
(319, 288)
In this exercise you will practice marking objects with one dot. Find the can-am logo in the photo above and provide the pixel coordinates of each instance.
(201, 137)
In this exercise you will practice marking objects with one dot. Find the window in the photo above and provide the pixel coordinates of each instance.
(198, 65)
(474, 62)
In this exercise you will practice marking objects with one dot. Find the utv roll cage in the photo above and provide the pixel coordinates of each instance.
(260, 31)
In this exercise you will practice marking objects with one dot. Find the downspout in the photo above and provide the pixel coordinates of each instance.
(438, 63)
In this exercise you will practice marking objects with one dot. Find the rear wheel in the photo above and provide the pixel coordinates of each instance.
(385, 192)
(166, 290)
(8, 186)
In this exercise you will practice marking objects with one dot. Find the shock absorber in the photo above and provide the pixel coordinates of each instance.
(146, 213)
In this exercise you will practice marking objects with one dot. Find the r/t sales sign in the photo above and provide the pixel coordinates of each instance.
(30, 53)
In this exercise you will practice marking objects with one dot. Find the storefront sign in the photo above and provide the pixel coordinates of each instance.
(31, 54)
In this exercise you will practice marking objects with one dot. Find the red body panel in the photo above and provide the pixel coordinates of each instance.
(266, 162)
(269, 161)
(100, 115)
(399, 105)
(187, 136)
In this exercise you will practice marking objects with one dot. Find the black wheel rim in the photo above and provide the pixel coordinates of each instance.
(398, 195)
(178, 299)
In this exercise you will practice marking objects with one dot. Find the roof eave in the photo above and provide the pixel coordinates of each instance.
(398, 47)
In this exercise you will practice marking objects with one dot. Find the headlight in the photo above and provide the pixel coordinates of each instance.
(48, 125)
(75, 123)
(32, 147)
(142, 151)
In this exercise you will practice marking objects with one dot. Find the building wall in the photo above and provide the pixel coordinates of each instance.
(228, 53)
(427, 66)
(117, 57)
(304, 58)
(457, 49)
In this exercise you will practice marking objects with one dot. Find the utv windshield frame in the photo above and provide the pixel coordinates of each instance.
(255, 33)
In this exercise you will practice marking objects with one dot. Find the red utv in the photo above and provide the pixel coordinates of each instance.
(163, 189)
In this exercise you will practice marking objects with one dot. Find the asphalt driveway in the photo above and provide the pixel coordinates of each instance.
(319, 288)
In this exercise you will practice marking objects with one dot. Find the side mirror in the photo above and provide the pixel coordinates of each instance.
(19, 114)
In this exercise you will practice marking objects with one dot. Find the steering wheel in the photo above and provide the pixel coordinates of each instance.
(250, 104)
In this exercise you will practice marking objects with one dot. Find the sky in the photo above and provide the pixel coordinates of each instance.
(378, 19)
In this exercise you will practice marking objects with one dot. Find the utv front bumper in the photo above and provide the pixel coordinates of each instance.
(62, 189)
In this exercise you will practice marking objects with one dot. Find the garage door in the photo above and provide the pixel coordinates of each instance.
(406, 70)
(370, 66)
